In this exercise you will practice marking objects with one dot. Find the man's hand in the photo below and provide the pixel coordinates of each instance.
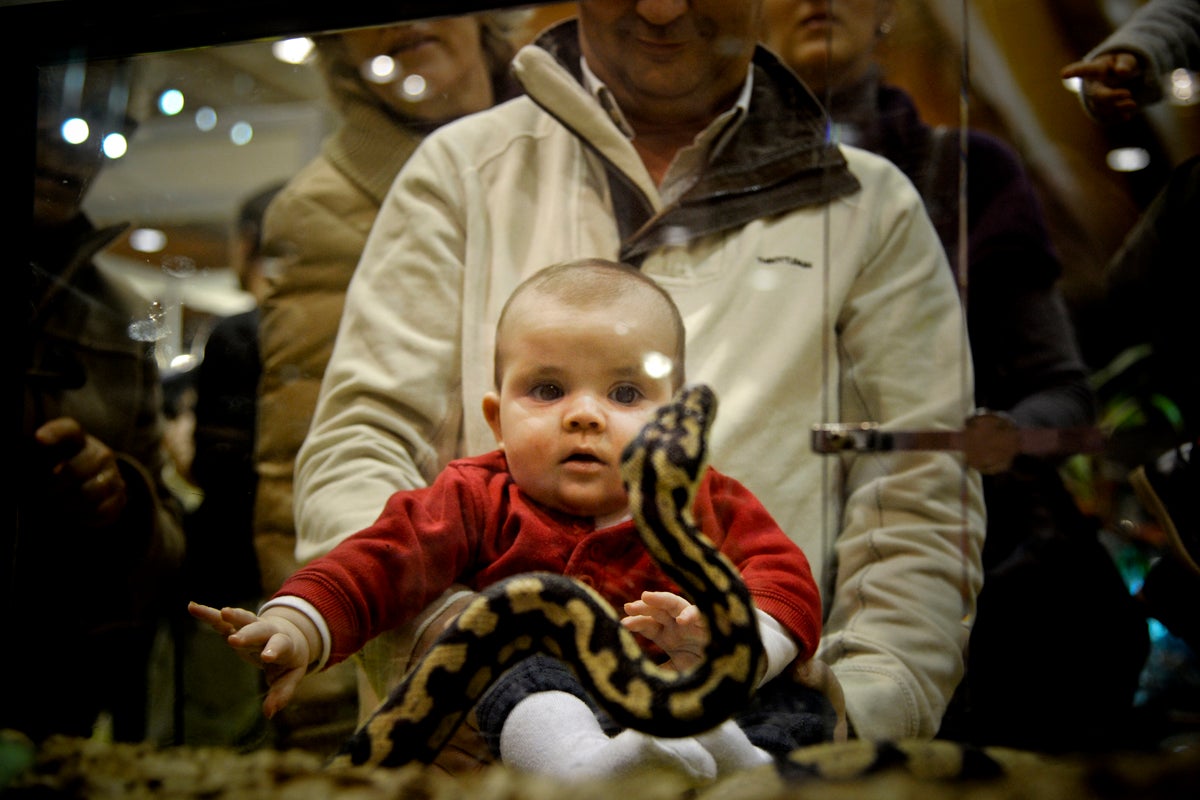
(274, 642)
(672, 623)
(1109, 85)
(816, 674)
(85, 471)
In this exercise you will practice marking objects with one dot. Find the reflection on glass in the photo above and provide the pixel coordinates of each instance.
(1058, 195)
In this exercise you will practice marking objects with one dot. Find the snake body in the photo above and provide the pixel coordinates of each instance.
(548, 613)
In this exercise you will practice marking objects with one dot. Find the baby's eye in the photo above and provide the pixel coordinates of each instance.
(546, 392)
(626, 394)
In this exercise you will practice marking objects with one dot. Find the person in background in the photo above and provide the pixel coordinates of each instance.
(1150, 287)
(317, 226)
(221, 530)
(97, 534)
(812, 282)
(573, 387)
(1131, 68)
(220, 693)
(1043, 560)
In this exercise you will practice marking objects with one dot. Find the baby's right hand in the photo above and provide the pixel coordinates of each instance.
(273, 642)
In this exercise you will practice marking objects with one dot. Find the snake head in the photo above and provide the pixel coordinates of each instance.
(677, 433)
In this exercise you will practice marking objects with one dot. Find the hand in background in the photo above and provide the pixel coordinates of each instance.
(84, 470)
(1110, 84)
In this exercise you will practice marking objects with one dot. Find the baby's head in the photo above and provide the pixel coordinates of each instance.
(585, 352)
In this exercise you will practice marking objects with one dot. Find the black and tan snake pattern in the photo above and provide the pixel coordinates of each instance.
(552, 614)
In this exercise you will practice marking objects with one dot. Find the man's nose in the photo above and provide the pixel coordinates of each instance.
(583, 413)
(661, 12)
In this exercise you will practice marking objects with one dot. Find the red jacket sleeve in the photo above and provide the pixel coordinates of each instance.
(384, 575)
(774, 568)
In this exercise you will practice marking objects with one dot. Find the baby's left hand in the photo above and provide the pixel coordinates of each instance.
(672, 623)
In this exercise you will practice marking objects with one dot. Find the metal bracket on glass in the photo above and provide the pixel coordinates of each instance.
(989, 440)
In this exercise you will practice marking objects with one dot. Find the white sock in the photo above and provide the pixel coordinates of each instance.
(556, 734)
(732, 749)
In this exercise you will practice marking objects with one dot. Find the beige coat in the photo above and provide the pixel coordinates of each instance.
(842, 309)
(317, 225)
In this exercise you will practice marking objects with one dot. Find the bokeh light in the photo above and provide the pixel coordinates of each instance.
(75, 131)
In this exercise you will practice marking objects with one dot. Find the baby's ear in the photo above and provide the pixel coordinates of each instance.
(491, 412)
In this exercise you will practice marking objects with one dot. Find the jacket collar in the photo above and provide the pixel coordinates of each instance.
(370, 146)
(777, 160)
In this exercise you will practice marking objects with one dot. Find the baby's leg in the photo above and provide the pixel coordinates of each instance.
(556, 734)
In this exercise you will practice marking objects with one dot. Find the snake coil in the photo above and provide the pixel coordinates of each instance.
(548, 613)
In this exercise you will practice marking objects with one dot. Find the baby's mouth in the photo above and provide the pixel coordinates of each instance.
(583, 458)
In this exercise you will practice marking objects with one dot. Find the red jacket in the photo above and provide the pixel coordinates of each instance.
(474, 526)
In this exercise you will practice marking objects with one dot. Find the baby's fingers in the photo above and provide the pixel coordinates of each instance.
(282, 688)
(691, 616)
(238, 617)
(668, 602)
(211, 617)
(646, 626)
(206, 614)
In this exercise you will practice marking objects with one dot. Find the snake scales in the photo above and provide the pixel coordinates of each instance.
(552, 614)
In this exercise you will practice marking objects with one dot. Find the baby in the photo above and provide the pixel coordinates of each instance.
(585, 352)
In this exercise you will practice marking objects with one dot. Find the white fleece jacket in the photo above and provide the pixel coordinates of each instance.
(840, 312)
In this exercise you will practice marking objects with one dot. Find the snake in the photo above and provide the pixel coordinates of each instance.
(552, 614)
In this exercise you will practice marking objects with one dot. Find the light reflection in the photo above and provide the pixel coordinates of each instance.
(184, 362)
(147, 240)
(179, 266)
(1182, 89)
(153, 327)
(413, 87)
(656, 364)
(170, 102)
(75, 131)
(206, 118)
(380, 69)
(241, 133)
(115, 145)
(1127, 159)
(293, 51)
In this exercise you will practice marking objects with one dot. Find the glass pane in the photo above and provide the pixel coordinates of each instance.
(214, 320)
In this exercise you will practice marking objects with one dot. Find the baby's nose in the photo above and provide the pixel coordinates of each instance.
(584, 413)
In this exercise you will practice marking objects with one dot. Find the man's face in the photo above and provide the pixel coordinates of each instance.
(670, 61)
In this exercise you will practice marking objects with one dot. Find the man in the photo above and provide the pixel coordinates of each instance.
(812, 283)
(98, 538)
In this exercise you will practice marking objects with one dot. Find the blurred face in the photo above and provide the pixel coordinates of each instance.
(448, 56)
(574, 391)
(829, 43)
(670, 61)
(64, 171)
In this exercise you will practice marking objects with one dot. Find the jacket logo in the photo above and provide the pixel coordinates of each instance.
(796, 262)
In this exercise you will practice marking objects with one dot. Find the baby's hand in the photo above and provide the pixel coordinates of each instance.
(672, 623)
(273, 642)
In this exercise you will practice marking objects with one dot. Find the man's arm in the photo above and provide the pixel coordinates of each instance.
(908, 563)
(389, 409)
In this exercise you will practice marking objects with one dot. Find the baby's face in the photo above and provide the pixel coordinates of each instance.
(578, 384)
